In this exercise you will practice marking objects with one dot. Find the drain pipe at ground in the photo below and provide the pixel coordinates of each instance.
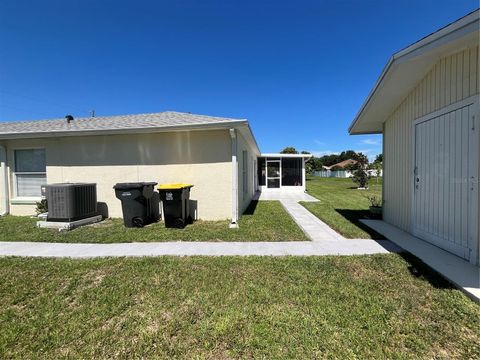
(234, 223)
(3, 166)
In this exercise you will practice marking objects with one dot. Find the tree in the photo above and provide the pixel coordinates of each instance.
(360, 177)
(377, 165)
(313, 164)
(379, 158)
(362, 160)
(289, 150)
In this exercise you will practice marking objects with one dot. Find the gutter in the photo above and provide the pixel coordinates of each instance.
(233, 136)
(3, 166)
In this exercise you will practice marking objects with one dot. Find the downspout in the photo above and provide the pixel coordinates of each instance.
(3, 166)
(303, 175)
(234, 223)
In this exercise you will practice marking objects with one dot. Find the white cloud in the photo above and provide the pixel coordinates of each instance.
(371, 141)
(320, 153)
(365, 151)
(318, 142)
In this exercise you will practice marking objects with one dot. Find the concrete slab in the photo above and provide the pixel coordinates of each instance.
(287, 195)
(183, 248)
(68, 225)
(315, 229)
(463, 274)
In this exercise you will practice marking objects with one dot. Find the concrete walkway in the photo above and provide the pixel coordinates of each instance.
(183, 248)
(315, 229)
(325, 241)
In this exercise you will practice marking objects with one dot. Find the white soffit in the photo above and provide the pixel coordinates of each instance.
(407, 67)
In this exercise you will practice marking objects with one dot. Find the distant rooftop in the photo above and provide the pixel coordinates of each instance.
(116, 123)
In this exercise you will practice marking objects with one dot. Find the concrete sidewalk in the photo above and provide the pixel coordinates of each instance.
(182, 248)
(325, 241)
(312, 226)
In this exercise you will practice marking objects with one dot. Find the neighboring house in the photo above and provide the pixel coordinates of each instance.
(426, 104)
(337, 170)
(219, 156)
(341, 165)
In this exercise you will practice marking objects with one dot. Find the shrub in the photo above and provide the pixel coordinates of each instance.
(375, 201)
(41, 207)
(360, 177)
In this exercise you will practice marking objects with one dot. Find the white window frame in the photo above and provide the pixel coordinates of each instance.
(15, 173)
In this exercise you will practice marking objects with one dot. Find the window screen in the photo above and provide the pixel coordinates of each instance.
(292, 172)
(30, 172)
(261, 171)
(31, 160)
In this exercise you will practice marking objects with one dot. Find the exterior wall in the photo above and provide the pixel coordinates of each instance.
(202, 158)
(244, 198)
(452, 79)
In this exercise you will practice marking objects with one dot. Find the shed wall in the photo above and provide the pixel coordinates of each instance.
(452, 79)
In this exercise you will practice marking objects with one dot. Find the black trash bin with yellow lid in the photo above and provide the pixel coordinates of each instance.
(176, 204)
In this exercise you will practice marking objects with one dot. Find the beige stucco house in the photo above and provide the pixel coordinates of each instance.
(219, 156)
(426, 105)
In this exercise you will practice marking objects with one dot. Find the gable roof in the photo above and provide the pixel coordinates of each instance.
(407, 67)
(163, 121)
(341, 164)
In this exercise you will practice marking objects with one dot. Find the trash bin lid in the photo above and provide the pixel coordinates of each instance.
(173, 186)
(133, 185)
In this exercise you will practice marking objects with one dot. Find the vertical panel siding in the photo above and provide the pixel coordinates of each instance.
(451, 79)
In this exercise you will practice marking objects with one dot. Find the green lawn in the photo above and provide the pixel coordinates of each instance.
(342, 205)
(232, 307)
(262, 221)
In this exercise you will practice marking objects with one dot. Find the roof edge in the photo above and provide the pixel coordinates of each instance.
(187, 127)
(423, 42)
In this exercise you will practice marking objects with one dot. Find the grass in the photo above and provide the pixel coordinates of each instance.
(342, 205)
(262, 221)
(232, 307)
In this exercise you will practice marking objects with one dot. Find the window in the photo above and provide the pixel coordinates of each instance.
(245, 172)
(30, 172)
(292, 171)
(261, 169)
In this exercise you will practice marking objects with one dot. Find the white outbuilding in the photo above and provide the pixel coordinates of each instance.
(426, 105)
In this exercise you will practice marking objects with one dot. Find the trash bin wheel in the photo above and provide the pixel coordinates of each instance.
(138, 222)
(179, 223)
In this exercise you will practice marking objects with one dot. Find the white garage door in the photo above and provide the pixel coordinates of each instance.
(445, 206)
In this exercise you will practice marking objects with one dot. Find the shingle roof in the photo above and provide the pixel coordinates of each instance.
(152, 121)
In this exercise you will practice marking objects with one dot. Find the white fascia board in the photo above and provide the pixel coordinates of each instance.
(247, 134)
(466, 28)
(306, 156)
(142, 130)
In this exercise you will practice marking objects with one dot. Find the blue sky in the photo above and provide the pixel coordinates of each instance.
(298, 71)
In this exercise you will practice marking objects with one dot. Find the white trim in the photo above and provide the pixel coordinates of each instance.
(475, 147)
(454, 31)
(304, 177)
(233, 136)
(447, 109)
(15, 173)
(6, 182)
(273, 155)
(140, 130)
